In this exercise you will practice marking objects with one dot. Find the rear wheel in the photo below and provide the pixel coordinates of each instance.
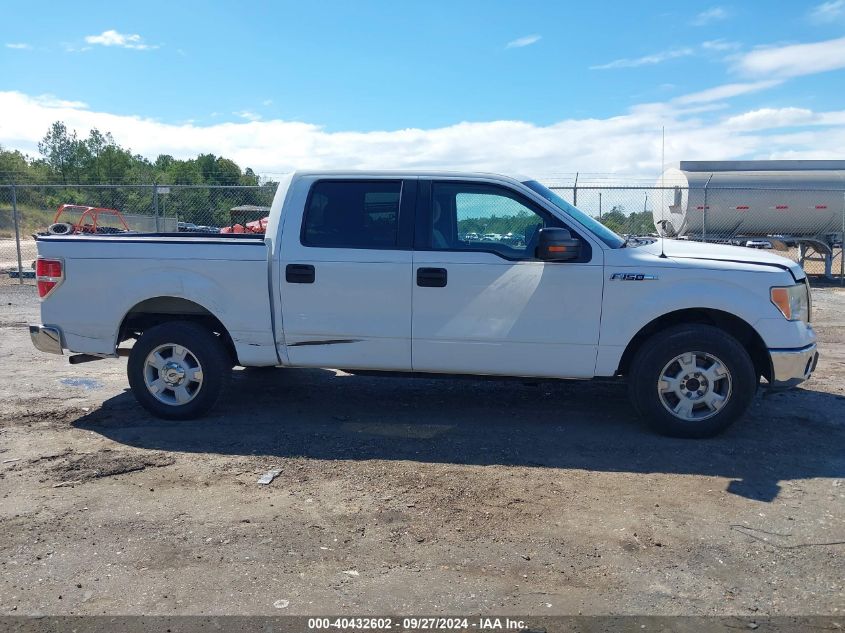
(692, 381)
(178, 370)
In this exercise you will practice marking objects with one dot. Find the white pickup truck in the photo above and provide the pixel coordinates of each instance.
(433, 273)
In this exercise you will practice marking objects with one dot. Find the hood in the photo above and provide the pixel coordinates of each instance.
(683, 249)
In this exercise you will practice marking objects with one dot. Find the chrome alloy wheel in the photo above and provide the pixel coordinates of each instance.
(694, 386)
(172, 374)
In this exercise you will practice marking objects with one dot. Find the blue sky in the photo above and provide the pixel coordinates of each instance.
(340, 81)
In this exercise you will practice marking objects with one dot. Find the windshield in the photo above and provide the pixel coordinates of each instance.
(597, 228)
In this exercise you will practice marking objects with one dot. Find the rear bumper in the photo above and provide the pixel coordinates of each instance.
(792, 366)
(46, 339)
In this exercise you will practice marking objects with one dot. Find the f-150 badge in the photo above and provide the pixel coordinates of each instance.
(632, 277)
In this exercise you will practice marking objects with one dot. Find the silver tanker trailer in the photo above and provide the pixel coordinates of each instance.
(794, 202)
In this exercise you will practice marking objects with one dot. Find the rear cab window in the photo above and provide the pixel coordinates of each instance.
(352, 214)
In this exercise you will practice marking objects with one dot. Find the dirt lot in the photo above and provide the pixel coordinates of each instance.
(411, 496)
(9, 254)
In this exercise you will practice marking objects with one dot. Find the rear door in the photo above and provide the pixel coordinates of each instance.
(346, 274)
(483, 303)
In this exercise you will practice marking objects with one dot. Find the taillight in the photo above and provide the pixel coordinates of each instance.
(49, 273)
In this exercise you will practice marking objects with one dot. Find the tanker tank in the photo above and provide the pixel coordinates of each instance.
(707, 199)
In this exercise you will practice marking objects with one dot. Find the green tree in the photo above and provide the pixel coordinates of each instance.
(59, 149)
(226, 172)
(96, 143)
(13, 166)
(615, 219)
(163, 162)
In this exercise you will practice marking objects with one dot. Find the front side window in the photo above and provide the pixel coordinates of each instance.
(352, 214)
(466, 216)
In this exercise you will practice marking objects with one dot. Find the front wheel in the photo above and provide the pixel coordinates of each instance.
(692, 381)
(178, 370)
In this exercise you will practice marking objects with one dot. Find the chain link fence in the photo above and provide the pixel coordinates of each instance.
(26, 210)
(804, 225)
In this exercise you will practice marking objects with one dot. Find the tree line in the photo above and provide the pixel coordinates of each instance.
(72, 162)
(636, 223)
(67, 159)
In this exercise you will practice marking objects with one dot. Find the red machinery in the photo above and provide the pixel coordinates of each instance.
(88, 222)
(256, 226)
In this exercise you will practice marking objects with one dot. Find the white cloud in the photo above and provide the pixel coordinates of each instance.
(122, 40)
(714, 14)
(726, 91)
(721, 46)
(793, 60)
(709, 46)
(828, 12)
(627, 145)
(768, 118)
(19, 46)
(772, 118)
(248, 115)
(646, 60)
(51, 101)
(520, 42)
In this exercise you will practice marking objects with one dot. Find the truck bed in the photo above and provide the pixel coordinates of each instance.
(226, 275)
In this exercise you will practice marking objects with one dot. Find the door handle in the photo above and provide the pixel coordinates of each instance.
(299, 274)
(431, 277)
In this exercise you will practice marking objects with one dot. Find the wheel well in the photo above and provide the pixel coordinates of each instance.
(725, 321)
(158, 310)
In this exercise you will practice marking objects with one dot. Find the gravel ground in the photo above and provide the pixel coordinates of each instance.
(9, 253)
(411, 496)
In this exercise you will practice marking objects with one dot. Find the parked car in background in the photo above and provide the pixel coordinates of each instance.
(367, 271)
(758, 244)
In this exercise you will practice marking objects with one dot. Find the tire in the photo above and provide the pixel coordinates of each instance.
(165, 381)
(700, 372)
(60, 228)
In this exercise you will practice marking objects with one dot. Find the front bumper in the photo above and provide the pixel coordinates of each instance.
(45, 338)
(792, 366)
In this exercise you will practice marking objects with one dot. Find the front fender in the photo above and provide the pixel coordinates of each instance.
(628, 306)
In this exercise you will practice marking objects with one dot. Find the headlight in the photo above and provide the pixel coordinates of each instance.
(792, 301)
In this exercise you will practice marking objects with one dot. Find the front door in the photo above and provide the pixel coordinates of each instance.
(482, 302)
(346, 275)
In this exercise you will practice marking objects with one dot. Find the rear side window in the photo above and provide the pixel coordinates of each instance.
(352, 214)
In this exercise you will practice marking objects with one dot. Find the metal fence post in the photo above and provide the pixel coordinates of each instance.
(842, 246)
(17, 234)
(704, 211)
(155, 207)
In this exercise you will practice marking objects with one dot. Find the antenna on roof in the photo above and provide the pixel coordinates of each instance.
(662, 192)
